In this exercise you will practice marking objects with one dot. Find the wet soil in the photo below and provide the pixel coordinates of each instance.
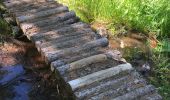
(32, 80)
(134, 46)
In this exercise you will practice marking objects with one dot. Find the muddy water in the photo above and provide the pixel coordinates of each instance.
(134, 49)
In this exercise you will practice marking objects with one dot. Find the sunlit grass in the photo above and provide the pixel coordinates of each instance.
(142, 15)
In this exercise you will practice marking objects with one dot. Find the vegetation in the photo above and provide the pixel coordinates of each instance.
(150, 17)
(4, 26)
(143, 15)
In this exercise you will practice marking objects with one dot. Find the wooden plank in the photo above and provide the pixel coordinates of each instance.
(67, 44)
(33, 7)
(15, 3)
(44, 42)
(32, 10)
(51, 35)
(70, 59)
(49, 41)
(97, 76)
(52, 56)
(76, 27)
(136, 93)
(45, 13)
(54, 26)
(26, 26)
(81, 63)
(102, 86)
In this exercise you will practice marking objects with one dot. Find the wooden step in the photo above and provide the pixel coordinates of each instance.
(71, 58)
(45, 13)
(93, 89)
(46, 42)
(97, 76)
(14, 3)
(54, 55)
(25, 26)
(86, 66)
(113, 83)
(28, 6)
(137, 93)
(113, 92)
(67, 44)
(33, 8)
(67, 30)
(54, 26)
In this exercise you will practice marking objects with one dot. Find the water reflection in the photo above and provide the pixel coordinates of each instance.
(12, 83)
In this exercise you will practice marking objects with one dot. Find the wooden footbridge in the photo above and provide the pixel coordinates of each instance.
(78, 54)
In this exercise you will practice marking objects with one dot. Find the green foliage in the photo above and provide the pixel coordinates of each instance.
(161, 73)
(4, 26)
(163, 46)
(144, 15)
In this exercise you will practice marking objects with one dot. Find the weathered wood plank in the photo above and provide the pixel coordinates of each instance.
(26, 26)
(33, 7)
(54, 26)
(75, 36)
(15, 3)
(136, 93)
(33, 10)
(45, 42)
(82, 63)
(45, 13)
(70, 59)
(97, 76)
(76, 27)
(86, 93)
(52, 56)
(67, 44)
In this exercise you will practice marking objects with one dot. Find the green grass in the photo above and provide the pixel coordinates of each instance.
(161, 74)
(142, 15)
